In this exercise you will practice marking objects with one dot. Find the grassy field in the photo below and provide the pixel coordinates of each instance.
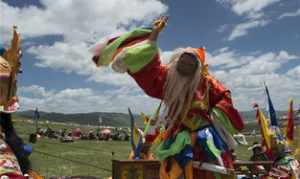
(85, 158)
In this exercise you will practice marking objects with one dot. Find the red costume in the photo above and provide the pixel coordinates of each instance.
(132, 52)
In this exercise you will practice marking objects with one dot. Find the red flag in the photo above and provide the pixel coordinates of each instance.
(290, 125)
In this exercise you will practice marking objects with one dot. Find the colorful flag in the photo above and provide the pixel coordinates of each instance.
(136, 137)
(264, 127)
(290, 125)
(271, 109)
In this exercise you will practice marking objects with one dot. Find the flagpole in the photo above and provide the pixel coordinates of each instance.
(132, 130)
(267, 102)
(36, 118)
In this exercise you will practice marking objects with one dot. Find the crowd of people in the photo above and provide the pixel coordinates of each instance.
(65, 135)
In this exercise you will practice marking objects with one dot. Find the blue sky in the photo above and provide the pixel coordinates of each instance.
(248, 42)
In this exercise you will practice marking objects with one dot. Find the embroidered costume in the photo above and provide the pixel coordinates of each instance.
(205, 132)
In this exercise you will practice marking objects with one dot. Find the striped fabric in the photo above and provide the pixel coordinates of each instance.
(131, 50)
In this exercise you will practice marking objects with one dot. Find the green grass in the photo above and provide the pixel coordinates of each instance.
(96, 154)
(92, 153)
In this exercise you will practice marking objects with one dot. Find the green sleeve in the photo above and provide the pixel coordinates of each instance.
(137, 57)
(182, 139)
(109, 50)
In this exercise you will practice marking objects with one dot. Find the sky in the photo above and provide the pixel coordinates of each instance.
(248, 42)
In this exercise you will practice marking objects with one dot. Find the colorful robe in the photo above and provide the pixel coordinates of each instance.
(285, 167)
(142, 62)
(135, 54)
(9, 165)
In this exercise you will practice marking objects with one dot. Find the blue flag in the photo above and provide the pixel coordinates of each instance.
(271, 109)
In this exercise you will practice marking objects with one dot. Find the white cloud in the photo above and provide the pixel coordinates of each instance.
(263, 63)
(78, 20)
(35, 91)
(248, 7)
(80, 24)
(245, 75)
(242, 7)
(290, 14)
(257, 15)
(75, 58)
(295, 72)
(222, 28)
(242, 74)
(85, 100)
(243, 28)
(252, 11)
(68, 57)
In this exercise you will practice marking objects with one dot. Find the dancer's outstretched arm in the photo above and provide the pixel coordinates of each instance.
(136, 52)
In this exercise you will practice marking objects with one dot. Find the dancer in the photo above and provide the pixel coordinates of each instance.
(14, 158)
(198, 113)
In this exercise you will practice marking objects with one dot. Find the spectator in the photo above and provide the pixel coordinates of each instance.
(284, 164)
(258, 155)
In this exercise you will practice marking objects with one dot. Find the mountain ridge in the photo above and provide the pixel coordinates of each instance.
(109, 118)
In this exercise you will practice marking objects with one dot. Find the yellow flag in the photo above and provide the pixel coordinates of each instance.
(265, 130)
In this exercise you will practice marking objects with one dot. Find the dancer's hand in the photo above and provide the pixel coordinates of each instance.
(95, 60)
(160, 23)
(158, 26)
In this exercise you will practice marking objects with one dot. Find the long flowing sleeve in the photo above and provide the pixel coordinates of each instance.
(135, 54)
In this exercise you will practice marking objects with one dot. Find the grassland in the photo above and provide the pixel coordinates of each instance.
(86, 158)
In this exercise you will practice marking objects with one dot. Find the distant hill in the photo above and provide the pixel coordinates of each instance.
(251, 115)
(253, 125)
(109, 119)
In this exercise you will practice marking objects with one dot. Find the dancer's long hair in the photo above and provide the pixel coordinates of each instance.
(179, 90)
(14, 141)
